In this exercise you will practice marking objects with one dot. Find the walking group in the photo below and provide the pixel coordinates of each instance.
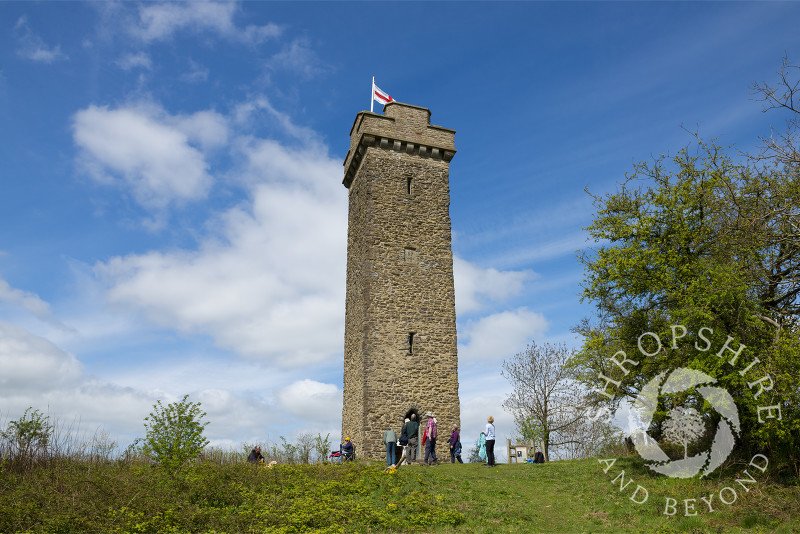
(406, 445)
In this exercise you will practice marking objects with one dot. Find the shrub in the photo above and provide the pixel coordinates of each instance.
(26, 439)
(175, 433)
(322, 446)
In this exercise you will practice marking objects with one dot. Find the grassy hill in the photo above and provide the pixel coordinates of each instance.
(578, 496)
(570, 496)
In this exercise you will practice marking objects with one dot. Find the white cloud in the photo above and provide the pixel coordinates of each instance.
(312, 401)
(474, 285)
(246, 113)
(160, 21)
(35, 372)
(29, 301)
(500, 335)
(28, 362)
(148, 151)
(474, 413)
(569, 244)
(235, 414)
(270, 284)
(196, 73)
(299, 57)
(137, 60)
(207, 128)
(31, 46)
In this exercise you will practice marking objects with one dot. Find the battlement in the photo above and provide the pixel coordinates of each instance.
(402, 128)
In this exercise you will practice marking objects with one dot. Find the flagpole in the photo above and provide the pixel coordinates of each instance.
(372, 96)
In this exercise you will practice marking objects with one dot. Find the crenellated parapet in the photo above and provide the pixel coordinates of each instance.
(403, 128)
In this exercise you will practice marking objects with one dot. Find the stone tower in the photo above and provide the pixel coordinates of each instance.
(400, 322)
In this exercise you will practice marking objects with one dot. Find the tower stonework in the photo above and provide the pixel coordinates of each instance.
(400, 316)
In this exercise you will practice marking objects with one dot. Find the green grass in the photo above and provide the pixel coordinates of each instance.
(577, 496)
(573, 496)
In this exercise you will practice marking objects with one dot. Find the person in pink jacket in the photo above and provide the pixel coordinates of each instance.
(430, 445)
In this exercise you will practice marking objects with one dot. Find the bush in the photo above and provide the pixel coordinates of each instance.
(175, 433)
(25, 440)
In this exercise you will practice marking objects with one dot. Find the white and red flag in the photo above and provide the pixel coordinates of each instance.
(382, 97)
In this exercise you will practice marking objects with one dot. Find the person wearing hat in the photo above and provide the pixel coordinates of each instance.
(348, 449)
(430, 446)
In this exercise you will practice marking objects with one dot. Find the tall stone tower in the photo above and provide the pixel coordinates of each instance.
(400, 323)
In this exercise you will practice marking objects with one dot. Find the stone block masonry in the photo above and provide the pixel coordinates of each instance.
(400, 319)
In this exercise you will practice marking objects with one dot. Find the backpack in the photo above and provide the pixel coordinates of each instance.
(403, 437)
(538, 458)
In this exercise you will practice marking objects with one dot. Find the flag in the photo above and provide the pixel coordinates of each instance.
(382, 97)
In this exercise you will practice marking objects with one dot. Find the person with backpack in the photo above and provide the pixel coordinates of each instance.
(430, 446)
(455, 446)
(402, 442)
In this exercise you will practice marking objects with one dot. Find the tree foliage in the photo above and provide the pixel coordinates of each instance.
(26, 439)
(175, 433)
(703, 239)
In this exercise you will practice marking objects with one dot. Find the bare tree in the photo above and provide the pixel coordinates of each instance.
(546, 399)
(784, 95)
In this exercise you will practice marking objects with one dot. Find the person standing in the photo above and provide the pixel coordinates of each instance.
(390, 439)
(412, 431)
(403, 441)
(490, 442)
(430, 446)
(455, 446)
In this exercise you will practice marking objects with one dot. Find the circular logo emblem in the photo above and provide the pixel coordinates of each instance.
(684, 424)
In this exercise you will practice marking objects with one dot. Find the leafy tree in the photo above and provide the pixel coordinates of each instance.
(702, 239)
(175, 433)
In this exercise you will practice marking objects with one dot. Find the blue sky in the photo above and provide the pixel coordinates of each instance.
(173, 219)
